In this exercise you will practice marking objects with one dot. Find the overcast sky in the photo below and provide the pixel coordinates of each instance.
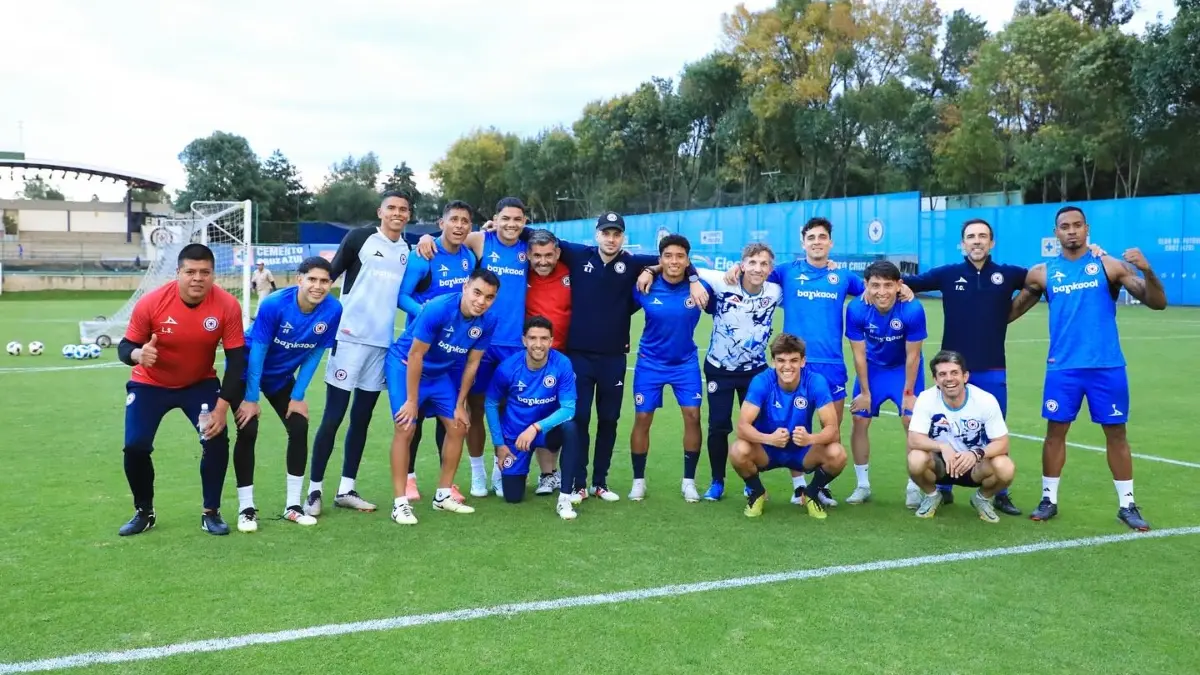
(127, 84)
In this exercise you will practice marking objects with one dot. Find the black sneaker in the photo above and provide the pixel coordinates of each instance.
(1003, 504)
(212, 523)
(1045, 510)
(1128, 515)
(142, 520)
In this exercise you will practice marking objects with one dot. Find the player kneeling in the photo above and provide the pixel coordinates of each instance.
(537, 388)
(958, 431)
(775, 423)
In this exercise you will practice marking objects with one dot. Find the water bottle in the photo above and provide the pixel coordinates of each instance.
(204, 419)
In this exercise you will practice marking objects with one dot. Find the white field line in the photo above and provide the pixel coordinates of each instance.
(674, 590)
(57, 369)
(1123, 338)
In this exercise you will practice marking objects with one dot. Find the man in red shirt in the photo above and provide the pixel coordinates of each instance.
(171, 343)
(548, 293)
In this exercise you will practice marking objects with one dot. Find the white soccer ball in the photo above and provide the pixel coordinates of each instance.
(94, 351)
(68, 351)
(81, 352)
(14, 348)
(36, 348)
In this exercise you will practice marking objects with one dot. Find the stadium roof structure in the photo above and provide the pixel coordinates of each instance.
(133, 180)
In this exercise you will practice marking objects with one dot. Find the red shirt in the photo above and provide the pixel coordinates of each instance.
(550, 296)
(187, 336)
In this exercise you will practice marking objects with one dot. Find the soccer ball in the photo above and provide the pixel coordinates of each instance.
(14, 348)
(68, 351)
(93, 351)
(81, 352)
(36, 348)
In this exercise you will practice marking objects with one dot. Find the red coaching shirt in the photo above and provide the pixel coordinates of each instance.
(550, 296)
(187, 336)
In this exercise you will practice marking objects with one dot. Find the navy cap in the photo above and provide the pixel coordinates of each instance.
(610, 219)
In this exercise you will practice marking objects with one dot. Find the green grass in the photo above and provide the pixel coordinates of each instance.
(70, 585)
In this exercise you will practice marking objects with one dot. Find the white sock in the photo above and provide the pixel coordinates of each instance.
(412, 476)
(245, 497)
(294, 485)
(477, 466)
(442, 493)
(399, 501)
(912, 485)
(689, 481)
(1124, 492)
(314, 486)
(1050, 489)
(860, 472)
(347, 485)
(798, 482)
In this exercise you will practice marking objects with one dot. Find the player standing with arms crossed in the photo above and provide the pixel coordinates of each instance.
(292, 331)
(171, 342)
(1085, 358)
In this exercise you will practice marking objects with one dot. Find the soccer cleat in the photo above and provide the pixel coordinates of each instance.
(248, 520)
(798, 495)
(452, 505)
(983, 506)
(1131, 516)
(312, 506)
(351, 500)
(715, 491)
(690, 495)
(142, 520)
(212, 523)
(298, 516)
(1003, 504)
(479, 484)
(546, 484)
(814, 507)
(912, 499)
(929, 504)
(638, 492)
(1045, 510)
(497, 482)
(826, 497)
(579, 495)
(403, 514)
(754, 505)
(564, 510)
(861, 495)
(605, 494)
(411, 491)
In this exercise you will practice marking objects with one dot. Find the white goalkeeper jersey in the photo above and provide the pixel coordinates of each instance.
(374, 267)
(741, 322)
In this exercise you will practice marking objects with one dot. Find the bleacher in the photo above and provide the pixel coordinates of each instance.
(72, 246)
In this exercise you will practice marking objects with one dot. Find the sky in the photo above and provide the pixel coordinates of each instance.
(127, 84)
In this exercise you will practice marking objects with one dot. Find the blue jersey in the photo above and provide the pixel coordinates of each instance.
(450, 334)
(886, 334)
(425, 280)
(781, 409)
(668, 338)
(1083, 315)
(510, 264)
(288, 337)
(531, 396)
(814, 299)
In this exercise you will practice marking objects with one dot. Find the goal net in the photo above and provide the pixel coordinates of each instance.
(224, 227)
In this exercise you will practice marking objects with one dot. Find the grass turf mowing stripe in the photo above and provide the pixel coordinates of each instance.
(226, 644)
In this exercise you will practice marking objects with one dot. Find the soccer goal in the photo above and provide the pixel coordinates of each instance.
(225, 227)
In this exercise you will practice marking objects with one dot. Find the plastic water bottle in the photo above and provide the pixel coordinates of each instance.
(204, 419)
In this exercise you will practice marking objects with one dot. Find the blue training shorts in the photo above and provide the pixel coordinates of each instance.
(1106, 390)
(791, 457)
(834, 374)
(436, 395)
(887, 384)
(492, 358)
(518, 463)
(649, 380)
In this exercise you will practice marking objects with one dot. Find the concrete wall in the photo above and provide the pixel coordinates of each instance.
(17, 283)
(54, 216)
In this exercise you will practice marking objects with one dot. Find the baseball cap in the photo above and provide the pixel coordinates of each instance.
(610, 219)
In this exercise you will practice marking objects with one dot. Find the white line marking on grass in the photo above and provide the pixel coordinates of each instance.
(55, 369)
(1123, 338)
(413, 620)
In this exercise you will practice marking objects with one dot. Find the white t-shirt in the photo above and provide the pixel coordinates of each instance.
(971, 427)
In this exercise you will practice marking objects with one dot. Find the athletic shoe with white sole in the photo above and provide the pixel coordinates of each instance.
(605, 494)
(297, 516)
(564, 509)
(452, 505)
(351, 500)
(690, 494)
(248, 520)
(479, 484)
(638, 492)
(312, 505)
(547, 484)
(861, 495)
(912, 499)
(403, 514)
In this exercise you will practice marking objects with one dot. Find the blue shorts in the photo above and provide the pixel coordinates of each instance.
(492, 358)
(1106, 390)
(436, 395)
(649, 380)
(147, 404)
(887, 384)
(518, 463)
(791, 457)
(994, 382)
(834, 374)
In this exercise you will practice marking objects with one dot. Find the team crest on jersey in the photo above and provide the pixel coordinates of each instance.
(712, 386)
(521, 256)
(466, 265)
(566, 281)
(639, 399)
(340, 374)
(832, 278)
(896, 324)
(689, 303)
(801, 403)
(972, 425)
(619, 268)
(403, 258)
(764, 303)
(321, 327)
(1051, 405)
(509, 460)
(549, 381)
(211, 323)
(475, 332)
(997, 278)
(1091, 268)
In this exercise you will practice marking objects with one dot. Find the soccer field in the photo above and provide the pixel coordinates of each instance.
(659, 586)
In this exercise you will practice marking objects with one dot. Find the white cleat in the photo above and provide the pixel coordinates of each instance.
(448, 504)
(312, 506)
(403, 514)
(690, 495)
(497, 483)
(564, 509)
(547, 484)
(861, 495)
(297, 516)
(248, 520)
(607, 495)
(826, 498)
(912, 499)
(578, 496)
(479, 486)
(351, 500)
(638, 492)
(798, 494)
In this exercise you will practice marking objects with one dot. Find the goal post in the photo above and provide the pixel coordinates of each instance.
(225, 227)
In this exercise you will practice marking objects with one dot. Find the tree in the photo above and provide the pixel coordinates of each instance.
(287, 197)
(473, 169)
(220, 167)
(401, 180)
(1094, 13)
(350, 193)
(38, 188)
(149, 196)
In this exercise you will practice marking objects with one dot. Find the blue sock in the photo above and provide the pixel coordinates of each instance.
(755, 485)
(639, 466)
(690, 459)
(1002, 493)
